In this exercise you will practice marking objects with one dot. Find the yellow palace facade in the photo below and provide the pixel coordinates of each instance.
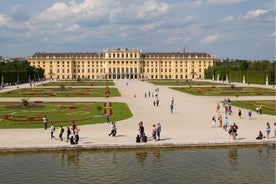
(122, 63)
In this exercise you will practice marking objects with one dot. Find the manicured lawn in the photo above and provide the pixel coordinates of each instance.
(81, 83)
(58, 92)
(15, 115)
(268, 107)
(181, 82)
(226, 91)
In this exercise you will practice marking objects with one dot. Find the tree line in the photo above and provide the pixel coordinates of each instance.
(19, 72)
(256, 72)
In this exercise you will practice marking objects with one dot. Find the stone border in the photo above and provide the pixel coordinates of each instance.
(137, 146)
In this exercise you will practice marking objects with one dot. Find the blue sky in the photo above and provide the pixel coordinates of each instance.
(238, 29)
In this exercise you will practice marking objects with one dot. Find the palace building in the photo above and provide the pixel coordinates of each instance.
(122, 63)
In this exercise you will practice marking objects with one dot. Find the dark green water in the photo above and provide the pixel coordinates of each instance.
(209, 165)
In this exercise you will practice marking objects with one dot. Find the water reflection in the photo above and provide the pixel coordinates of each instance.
(264, 152)
(210, 165)
(233, 156)
(141, 156)
(155, 155)
(70, 158)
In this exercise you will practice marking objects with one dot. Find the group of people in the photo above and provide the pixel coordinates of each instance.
(232, 128)
(72, 134)
(141, 137)
(156, 100)
(268, 130)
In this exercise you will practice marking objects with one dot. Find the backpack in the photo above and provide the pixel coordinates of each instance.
(62, 130)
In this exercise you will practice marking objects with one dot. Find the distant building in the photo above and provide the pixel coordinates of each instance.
(122, 63)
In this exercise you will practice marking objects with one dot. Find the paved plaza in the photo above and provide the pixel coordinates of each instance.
(188, 125)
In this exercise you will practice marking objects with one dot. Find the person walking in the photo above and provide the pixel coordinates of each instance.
(153, 133)
(225, 123)
(239, 113)
(171, 107)
(220, 120)
(141, 129)
(218, 107)
(52, 130)
(61, 130)
(230, 132)
(213, 122)
(74, 126)
(113, 129)
(45, 121)
(267, 130)
(235, 131)
(68, 132)
(249, 114)
(158, 131)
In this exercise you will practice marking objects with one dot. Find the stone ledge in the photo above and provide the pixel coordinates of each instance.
(95, 147)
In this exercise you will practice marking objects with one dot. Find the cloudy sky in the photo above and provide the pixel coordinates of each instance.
(238, 29)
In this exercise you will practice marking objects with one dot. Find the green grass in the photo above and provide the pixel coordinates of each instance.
(183, 82)
(268, 106)
(58, 92)
(59, 113)
(81, 83)
(226, 91)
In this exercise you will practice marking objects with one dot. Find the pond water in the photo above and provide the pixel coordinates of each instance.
(193, 165)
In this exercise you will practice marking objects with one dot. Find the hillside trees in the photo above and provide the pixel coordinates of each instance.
(254, 72)
(19, 72)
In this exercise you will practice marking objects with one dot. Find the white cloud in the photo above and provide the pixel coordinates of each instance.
(150, 9)
(272, 34)
(210, 39)
(197, 4)
(191, 18)
(3, 20)
(73, 28)
(108, 10)
(221, 2)
(254, 13)
(227, 18)
(150, 26)
(172, 39)
(57, 12)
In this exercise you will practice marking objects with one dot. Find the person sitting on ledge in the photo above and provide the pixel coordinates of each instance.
(144, 138)
(72, 141)
(260, 136)
(138, 138)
